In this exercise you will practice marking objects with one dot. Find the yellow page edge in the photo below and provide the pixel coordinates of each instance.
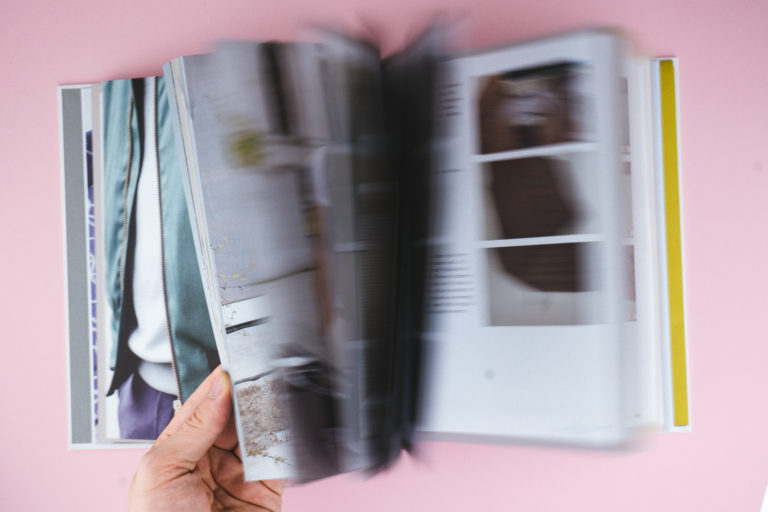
(674, 253)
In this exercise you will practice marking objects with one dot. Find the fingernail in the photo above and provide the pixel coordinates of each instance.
(217, 386)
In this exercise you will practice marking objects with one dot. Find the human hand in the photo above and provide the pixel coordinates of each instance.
(195, 464)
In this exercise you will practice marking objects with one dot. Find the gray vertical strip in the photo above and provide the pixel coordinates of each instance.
(80, 371)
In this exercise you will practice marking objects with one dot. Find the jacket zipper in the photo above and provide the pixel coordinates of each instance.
(174, 369)
(123, 244)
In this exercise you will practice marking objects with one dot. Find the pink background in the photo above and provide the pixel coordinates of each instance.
(722, 465)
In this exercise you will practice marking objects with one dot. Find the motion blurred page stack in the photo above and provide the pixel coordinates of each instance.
(482, 246)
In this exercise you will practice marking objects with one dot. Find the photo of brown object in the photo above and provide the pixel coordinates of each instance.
(531, 107)
(549, 268)
(529, 200)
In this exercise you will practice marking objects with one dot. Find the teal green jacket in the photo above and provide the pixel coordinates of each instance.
(188, 322)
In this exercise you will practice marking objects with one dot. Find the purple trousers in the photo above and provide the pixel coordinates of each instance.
(143, 412)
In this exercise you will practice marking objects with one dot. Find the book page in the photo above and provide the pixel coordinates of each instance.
(527, 281)
(234, 212)
(77, 185)
(260, 131)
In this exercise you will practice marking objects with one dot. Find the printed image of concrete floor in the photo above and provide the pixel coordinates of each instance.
(263, 415)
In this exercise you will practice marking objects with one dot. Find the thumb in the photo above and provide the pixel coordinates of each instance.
(195, 436)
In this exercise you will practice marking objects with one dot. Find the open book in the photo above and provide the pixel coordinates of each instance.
(475, 246)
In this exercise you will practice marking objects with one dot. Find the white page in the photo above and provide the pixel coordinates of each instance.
(508, 360)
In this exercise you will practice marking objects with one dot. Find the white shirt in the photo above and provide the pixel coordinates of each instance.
(150, 341)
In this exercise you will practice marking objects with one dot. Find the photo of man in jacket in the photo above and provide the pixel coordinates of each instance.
(163, 344)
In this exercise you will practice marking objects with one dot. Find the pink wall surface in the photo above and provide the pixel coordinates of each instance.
(721, 466)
